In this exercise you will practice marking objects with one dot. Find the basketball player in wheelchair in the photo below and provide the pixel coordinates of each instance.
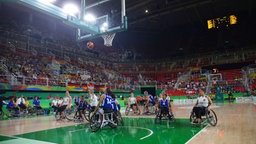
(149, 106)
(132, 105)
(164, 109)
(103, 115)
(201, 108)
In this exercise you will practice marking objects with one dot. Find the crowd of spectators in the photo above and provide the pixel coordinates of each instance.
(36, 55)
(46, 70)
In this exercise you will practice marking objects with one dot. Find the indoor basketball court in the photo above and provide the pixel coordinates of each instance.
(235, 125)
(236, 120)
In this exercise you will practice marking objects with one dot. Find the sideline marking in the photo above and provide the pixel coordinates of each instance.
(19, 140)
(202, 130)
(151, 132)
(191, 107)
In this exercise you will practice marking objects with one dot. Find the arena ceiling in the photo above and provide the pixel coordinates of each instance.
(173, 28)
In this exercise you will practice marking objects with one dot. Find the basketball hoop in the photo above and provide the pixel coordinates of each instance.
(108, 39)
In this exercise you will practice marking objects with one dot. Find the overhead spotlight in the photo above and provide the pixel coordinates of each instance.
(70, 9)
(104, 27)
(46, 1)
(89, 18)
(105, 24)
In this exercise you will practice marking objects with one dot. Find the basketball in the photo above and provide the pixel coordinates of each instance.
(90, 45)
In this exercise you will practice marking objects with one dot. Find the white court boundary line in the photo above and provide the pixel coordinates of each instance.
(151, 132)
(36, 141)
(191, 107)
(196, 134)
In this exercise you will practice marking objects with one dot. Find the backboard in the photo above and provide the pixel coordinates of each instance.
(94, 19)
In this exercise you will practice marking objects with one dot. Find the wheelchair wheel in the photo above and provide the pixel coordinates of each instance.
(120, 119)
(138, 110)
(171, 117)
(192, 117)
(69, 114)
(57, 115)
(32, 111)
(86, 114)
(95, 121)
(77, 118)
(158, 116)
(211, 118)
(113, 122)
(39, 111)
(127, 110)
(152, 109)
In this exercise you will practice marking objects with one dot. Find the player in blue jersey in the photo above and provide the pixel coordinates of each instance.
(115, 105)
(36, 103)
(76, 100)
(82, 105)
(105, 101)
(149, 99)
(164, 104)
(11, 106)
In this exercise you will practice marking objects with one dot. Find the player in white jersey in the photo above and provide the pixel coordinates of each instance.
(54, 103)
(93, 99)
(67, 102)
(132, 103)
(202, 103)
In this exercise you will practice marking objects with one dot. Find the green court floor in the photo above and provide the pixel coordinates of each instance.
(135, 131)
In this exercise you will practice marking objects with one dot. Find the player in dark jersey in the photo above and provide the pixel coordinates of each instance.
(149, 100)
(105, 101)
(164, 104)
(82, 105)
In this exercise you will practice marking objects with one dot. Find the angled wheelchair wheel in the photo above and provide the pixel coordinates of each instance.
(95, 121)
(70, 114)
(39, 112)
(138, 110)
(57, 115)
(86, 114)
(32, 111)
(113, 121)
(158, 116)
(152, 109)
(212, 118)
(120, 119)
(171, 117)
(192, 117)
(127, 110)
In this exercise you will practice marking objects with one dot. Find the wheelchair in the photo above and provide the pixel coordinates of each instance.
(164, 114)
(120, 120)
(68, 114)
(208, 117)
(74, 116)
(103, 118)
(129, 109)
(151, 109)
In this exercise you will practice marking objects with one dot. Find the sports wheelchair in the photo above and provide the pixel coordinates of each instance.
(102, 118)
(151, 109)
(209, 116)
(74, 116)
(68, 114)
(164, 114)
(129, 109)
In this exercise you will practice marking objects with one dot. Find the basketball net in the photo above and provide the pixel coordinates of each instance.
(108, 39)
